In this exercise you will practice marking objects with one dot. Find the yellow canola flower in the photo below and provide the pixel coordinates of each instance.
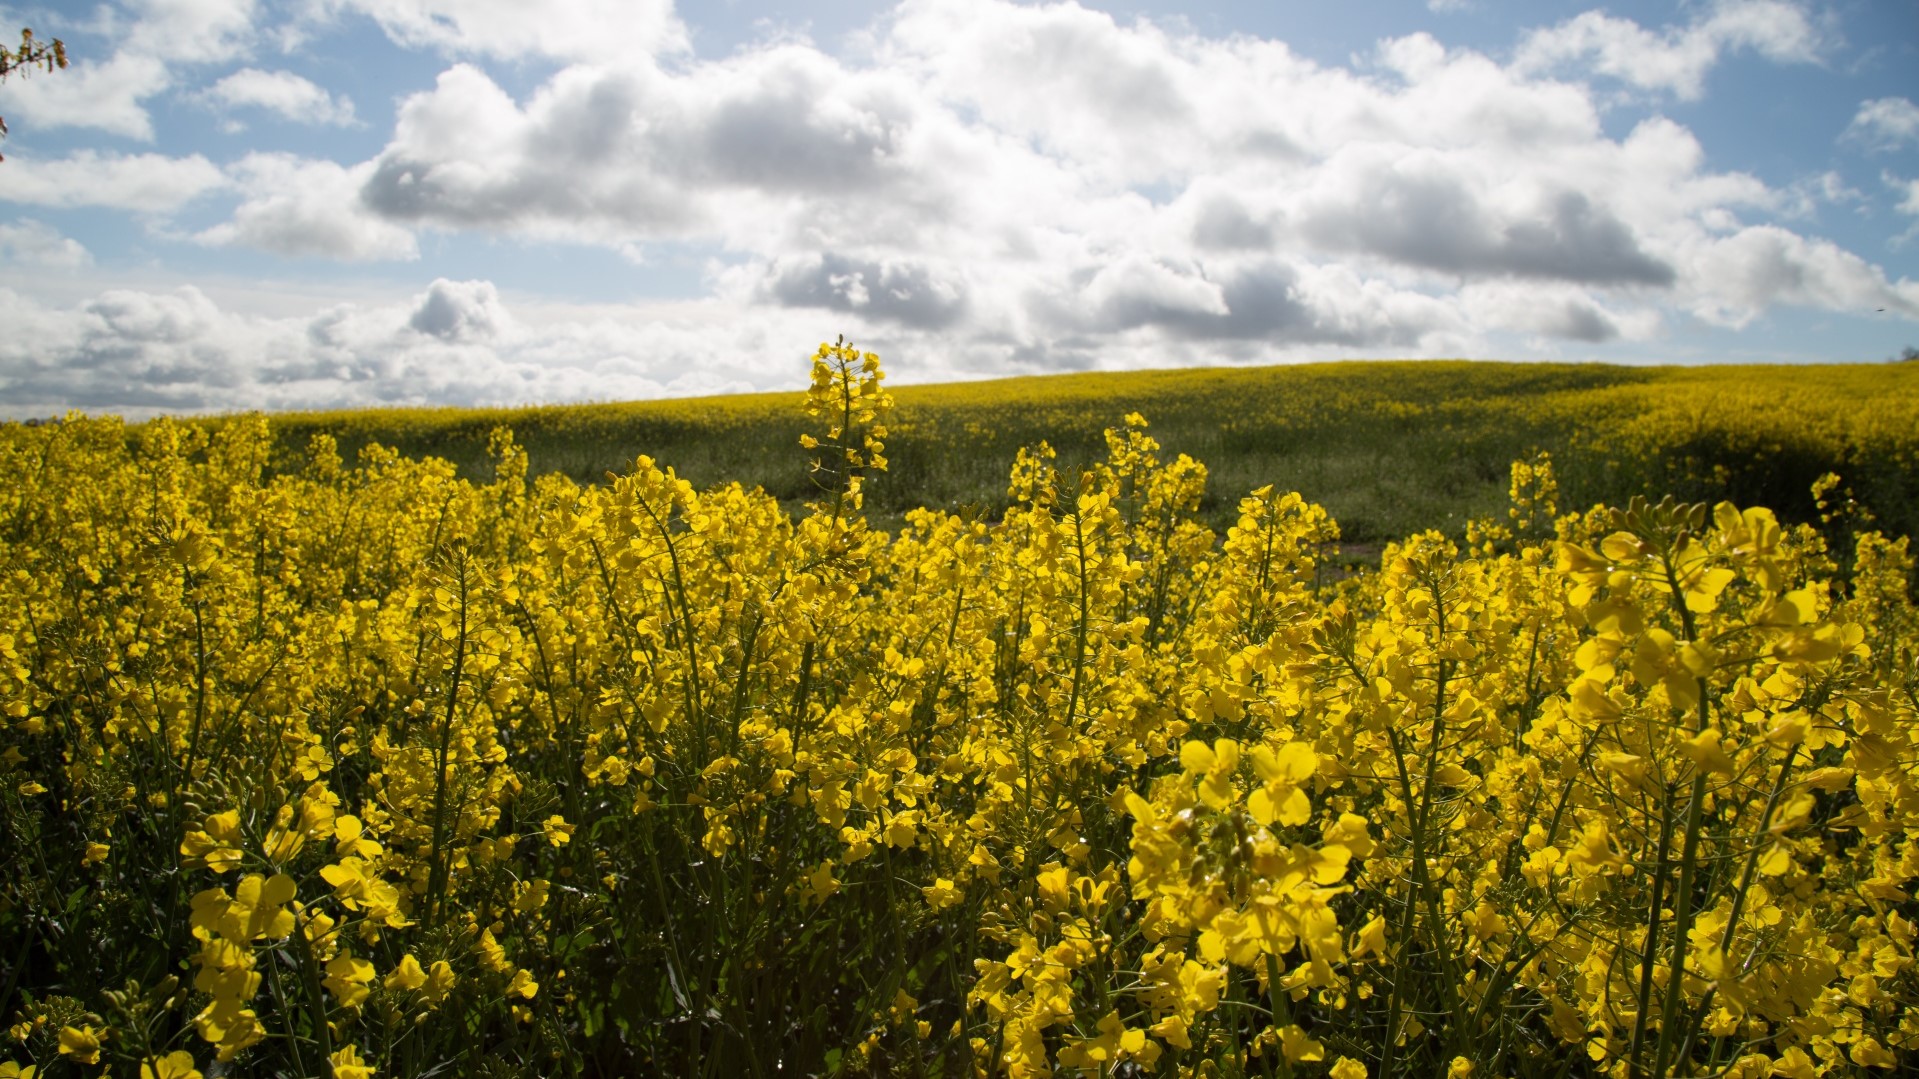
(1869, 1053)
(216, 844)
(1214, 765)
(942, 894)
(230, 1028)
(82, 1044)
(356, 883)
(350, 838)
(1298, 1046)
(1114, 1042)
(1281, 799)
(523, 984)
(175, 1065)
(347, 978)
(406, 975)
(347, 1063)
(1704, 750)
(440, 981)
(820, 883)
(492, 955)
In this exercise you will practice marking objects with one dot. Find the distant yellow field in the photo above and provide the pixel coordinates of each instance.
(1387, 446)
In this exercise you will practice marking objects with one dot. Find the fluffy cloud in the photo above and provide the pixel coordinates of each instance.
(1032, 173)
(142, 183)
(138, 352)
(1547, 312)
(460, 312)
(1759, 267)
(599, 30)
(294, 206)
(637, 153)
(912, 294)
(107, 96)
(1676, 60)
(152, 39)
(1417, 209)
(985, 186)
(191, 31)
(1908, 194)
(282, 92)
(1908, 204)
(1886, 123)
(27, 242)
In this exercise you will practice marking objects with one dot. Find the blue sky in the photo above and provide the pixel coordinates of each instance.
(239, 204)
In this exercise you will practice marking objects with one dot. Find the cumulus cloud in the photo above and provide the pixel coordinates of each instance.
(638, 153)
(459, 312)
(1763, 266)
(1675, 60)
(108, 96)
(908, 293)
(1908, 194)
(1035, 173)
(1886, 123)
(137, 352)
(1548, 312)
(142, 183)
(27, 242)
(152, 38)
(1908, 204)
(991, 186)
(192, 31)
(1420, 210)
(301, 207)
(284, 93)
(598, 30)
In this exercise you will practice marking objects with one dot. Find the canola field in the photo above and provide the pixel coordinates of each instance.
(321, 768)
(1389, 448)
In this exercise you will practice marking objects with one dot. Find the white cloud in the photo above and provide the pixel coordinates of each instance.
(982, 176)
(597, 30)
(1885, 123)
(27, 242)
(990, 186)
(1736, 278)
(151, 39)
(1549, 312)
(1676, 59)
(300, 207)
(142, 183)
(138, 352)
(1908, 204)
(106, 95)
(282, 92)
(1908, 193)
(191, 31)
(460, 312)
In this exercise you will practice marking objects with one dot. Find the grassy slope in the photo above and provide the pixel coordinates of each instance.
(1388, 447)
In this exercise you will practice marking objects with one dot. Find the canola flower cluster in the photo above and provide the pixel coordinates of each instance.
(373, 771)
